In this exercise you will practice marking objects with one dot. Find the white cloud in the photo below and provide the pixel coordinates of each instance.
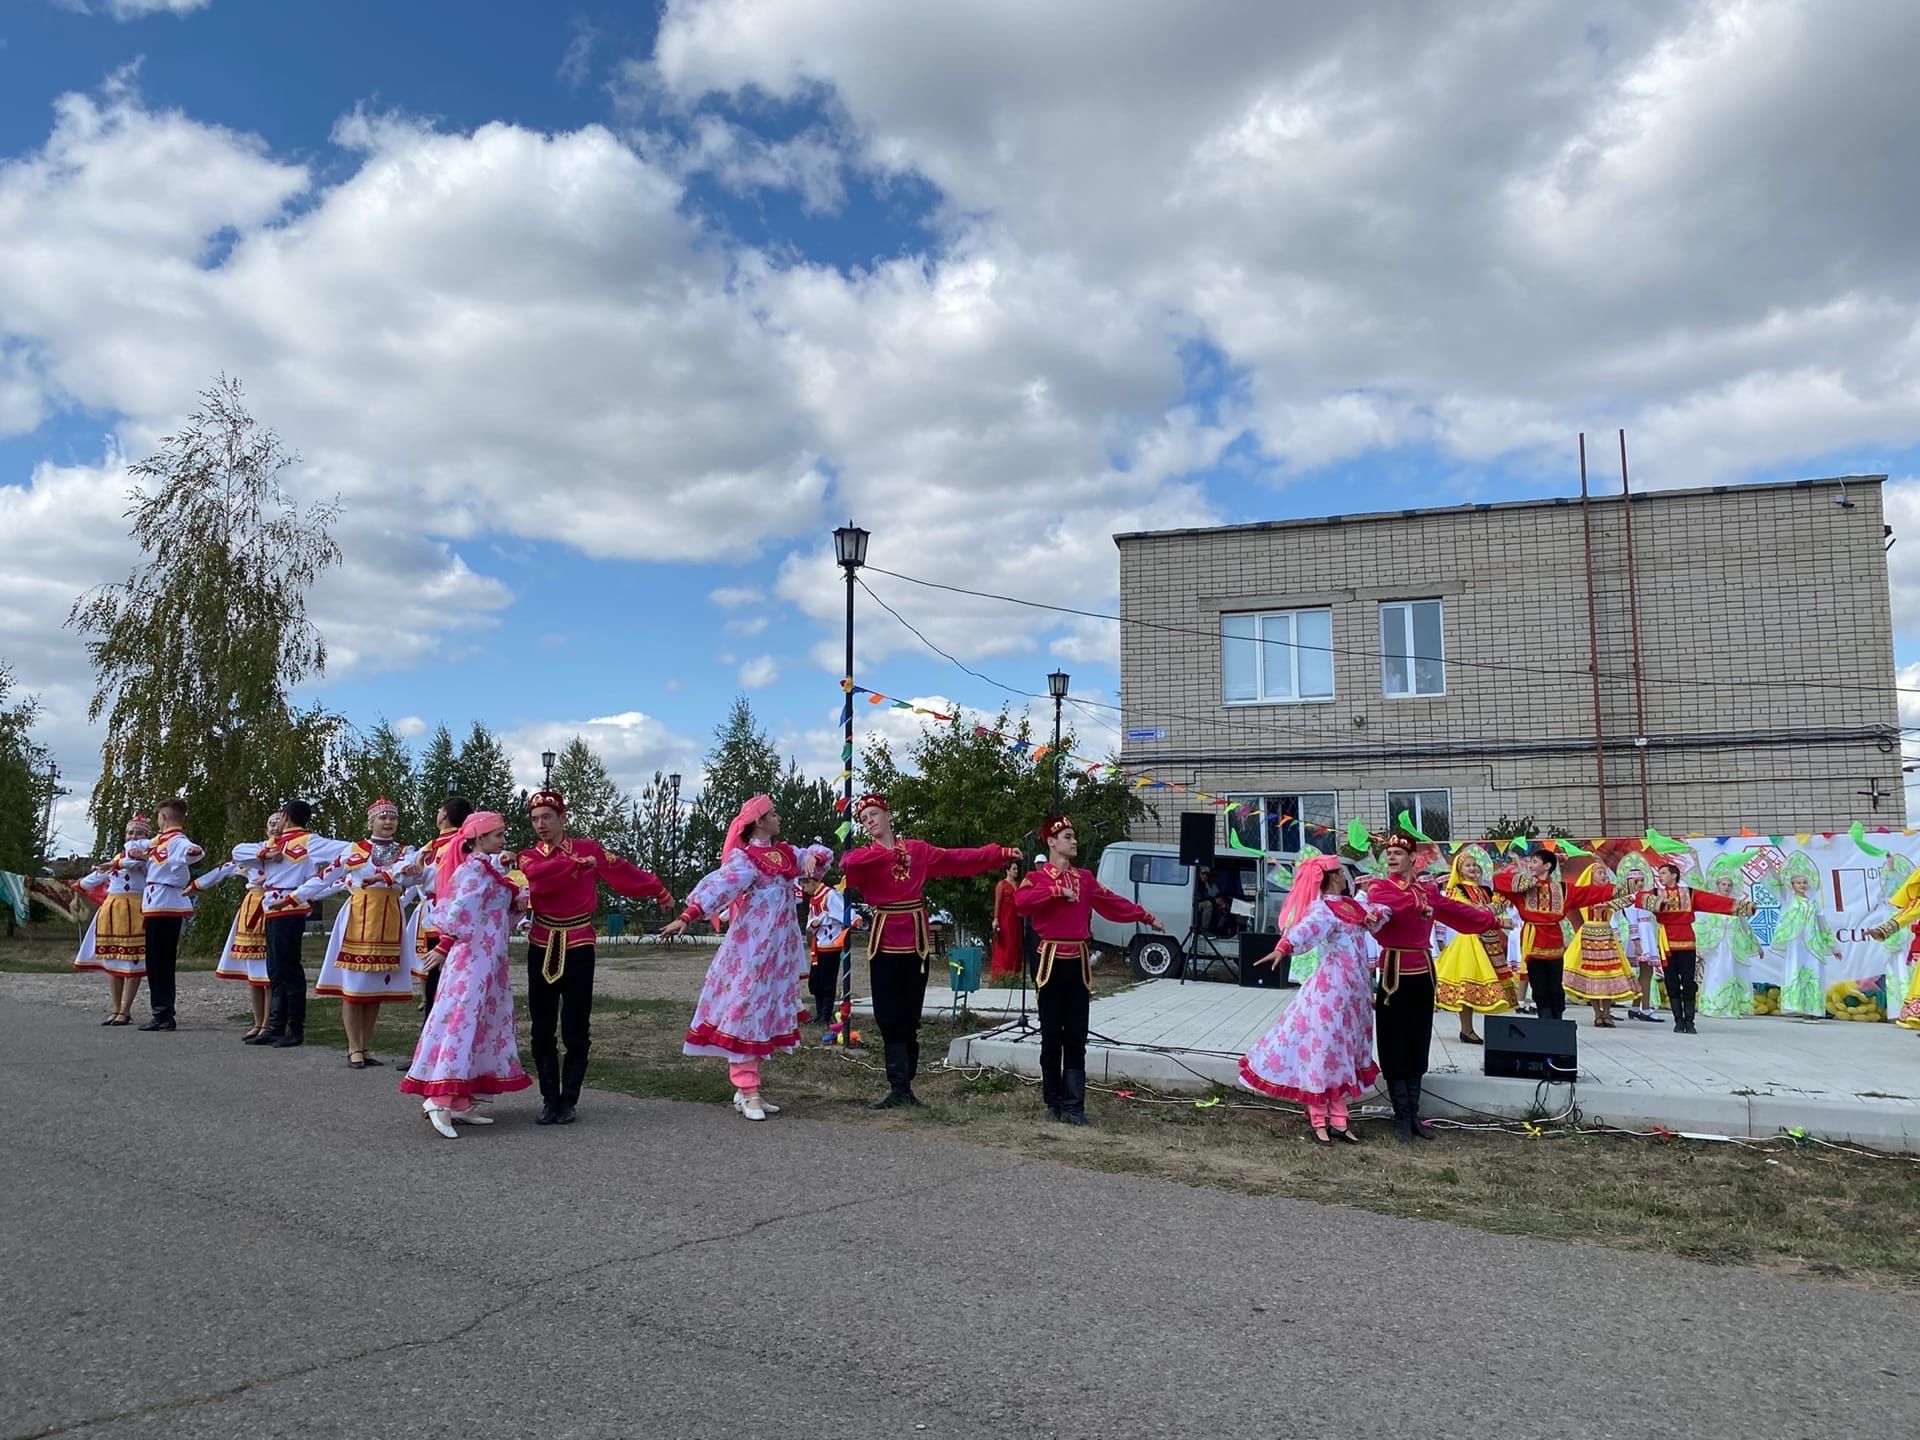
(1907, 677)
(1900, 499)
(576, 65)
(737, 597)
(758, 673)
(632, 744)
(133, 9)
(410, 727)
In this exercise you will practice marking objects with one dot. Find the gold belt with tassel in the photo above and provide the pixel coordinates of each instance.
(1072, 949)
(922, 939)
(553, 963)
(1390, 967)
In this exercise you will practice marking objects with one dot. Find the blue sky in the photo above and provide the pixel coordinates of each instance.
(800, 262)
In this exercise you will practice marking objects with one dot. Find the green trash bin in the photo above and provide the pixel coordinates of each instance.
(616, 923)
(963, 968)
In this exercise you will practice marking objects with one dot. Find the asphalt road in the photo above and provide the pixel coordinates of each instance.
(201, 1239)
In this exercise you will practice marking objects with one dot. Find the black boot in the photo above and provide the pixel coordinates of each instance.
(573, 1075)
(897, 1079)
(1402, 1114)
(546, 1066)
(913, 1073)
(276, 1025)
(1073, 1097)
(1050, 1089)
(1420, 1129)
(296, 1019)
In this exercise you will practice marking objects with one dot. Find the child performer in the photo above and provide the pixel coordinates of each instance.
(1674, 906)
(752, 991)
(116, 942)
(1060, 898)
(829, 920)
(1803, 940)
(1470, 972)
(1320, 1054)
(365, 966)
(1596, 969)
(467, 1049)
(1641, 934)
(244, 956)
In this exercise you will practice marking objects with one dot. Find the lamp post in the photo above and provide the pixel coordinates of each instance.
(850, 550)
(673, 830)
(547, 757)
(1057, 687)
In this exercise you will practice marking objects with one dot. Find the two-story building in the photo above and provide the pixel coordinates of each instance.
(1696, 660)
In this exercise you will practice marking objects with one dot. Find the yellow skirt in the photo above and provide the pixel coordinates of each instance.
(1909, 1013)
(1465, 978)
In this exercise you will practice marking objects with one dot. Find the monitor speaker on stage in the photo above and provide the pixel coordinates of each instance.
(1525, 1047)
(1196, 838)
(1255, 947)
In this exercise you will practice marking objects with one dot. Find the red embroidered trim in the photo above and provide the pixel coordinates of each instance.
(705, 1034)
(1368, 1074)
(775, 859)
(478, 1085)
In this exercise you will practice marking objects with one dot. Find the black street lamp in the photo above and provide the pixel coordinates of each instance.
(850, 550)
(673, 828)
(547, 757)
(1057, 687)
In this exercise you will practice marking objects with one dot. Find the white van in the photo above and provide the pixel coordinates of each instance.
(1152, 876)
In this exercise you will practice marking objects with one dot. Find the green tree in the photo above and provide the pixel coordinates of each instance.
(963, 787)
(1507, 828)
(483, 773)
(806, 807)
(658, 836)
(371, 766)
(742, 764)
(436, 771)
(595, 806)
(26, 784)
(196, 654)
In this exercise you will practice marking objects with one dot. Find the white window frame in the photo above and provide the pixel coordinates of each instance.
(1269, 650)
(1405, 608)
(1415, 811)
(1260, 800)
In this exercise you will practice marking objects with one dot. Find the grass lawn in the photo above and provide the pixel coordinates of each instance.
(51, 947)
(1791, 1209)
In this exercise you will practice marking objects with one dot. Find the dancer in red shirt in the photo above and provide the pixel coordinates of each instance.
(564, 875)
(1543, 903)
(891, 875)
(1060, 898)
(1403, 998)
(1674, 906)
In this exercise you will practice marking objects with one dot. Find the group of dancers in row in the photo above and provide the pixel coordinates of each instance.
(444, 913)
(1387, 956)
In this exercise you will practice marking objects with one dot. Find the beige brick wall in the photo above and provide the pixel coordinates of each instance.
(1766, 658)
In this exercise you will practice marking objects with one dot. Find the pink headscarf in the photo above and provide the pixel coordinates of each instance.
(737, 832)
(1308, 878)
(477, 824)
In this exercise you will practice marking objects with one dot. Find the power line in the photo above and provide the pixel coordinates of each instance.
(1501, 665)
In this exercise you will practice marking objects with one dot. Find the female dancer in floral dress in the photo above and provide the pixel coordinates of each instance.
(1470, 973)
(467, 1048)
(750, 1004)
(1320, 1054)
(1596, 964)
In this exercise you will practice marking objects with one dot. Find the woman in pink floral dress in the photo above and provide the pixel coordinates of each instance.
(467, 1049)
(1320, 1053)
(750, 1005)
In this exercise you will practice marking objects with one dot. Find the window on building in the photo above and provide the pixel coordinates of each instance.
(1412, 653)
(1277, 657)
(1286, 824)
(1156, 870)
(1430, 810)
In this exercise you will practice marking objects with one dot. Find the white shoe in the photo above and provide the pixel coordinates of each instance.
(471, 1117)
(750, 1106)
(740, 1100)
(438, 1118)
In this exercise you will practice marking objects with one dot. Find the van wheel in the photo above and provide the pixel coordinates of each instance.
(1155, 957)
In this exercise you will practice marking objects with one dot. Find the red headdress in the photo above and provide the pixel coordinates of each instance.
(383, 806)
(1309, 879)
(140, 822)
(1053, 827)
(869, 801)
(546, 800)
(1398, 839)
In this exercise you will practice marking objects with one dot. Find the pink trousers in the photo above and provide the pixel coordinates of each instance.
(1327, 1112)
(745, 1075)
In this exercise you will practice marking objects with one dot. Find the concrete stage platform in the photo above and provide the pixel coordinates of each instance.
(1841, 1080)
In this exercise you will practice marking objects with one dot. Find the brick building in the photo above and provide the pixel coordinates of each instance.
(1442, 662)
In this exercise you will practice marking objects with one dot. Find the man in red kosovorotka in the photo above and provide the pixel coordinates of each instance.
(891, 875)
(564, 875)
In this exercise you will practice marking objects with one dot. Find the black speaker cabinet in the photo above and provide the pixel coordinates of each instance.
(1196, 838)
(1525, 1047)
(1262, 977)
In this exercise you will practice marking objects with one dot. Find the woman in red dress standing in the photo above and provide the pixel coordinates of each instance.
(1006, 925)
